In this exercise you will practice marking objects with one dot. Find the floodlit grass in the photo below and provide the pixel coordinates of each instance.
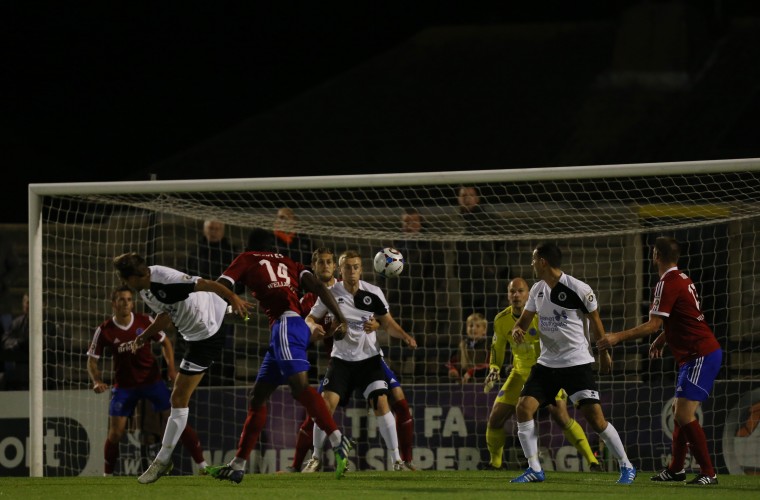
(454, 485)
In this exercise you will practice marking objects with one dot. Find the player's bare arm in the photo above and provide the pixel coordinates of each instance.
(97, 379)
(224, 289)
(394, 330)
(317, 330)
(518, 332)
(643, 330)
(598, 333)
(163, 322)
(657, 347)
(311, 283)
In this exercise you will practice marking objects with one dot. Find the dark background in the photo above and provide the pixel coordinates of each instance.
(105, 91)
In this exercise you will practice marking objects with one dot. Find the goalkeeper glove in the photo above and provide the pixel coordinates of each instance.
(491, 380)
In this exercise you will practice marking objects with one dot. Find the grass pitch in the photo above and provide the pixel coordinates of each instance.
(365, 485)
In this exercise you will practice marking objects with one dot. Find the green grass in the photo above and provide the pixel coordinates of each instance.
(454, 485)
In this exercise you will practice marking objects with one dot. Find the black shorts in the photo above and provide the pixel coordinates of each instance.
(366, 376)
(200, 355)
(578, 381)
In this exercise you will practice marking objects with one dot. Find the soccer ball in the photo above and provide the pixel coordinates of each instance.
(389, 262)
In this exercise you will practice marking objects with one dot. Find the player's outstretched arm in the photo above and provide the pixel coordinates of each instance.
(643, 330)
(656, 350)
(597, 333)
(311, 283)
(317, 330)
(224, 290)
(162, 322)
(394, 330)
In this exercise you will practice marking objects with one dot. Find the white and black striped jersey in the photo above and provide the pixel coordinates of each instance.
(369, 301)
(562, 321)
(197, 315)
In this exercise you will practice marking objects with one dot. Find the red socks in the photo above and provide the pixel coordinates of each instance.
(254, 424)
(316, 407)
(192, 444)
(404, 429)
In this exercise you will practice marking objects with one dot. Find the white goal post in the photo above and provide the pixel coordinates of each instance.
(604, 218)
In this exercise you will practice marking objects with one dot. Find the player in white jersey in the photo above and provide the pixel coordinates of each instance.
(566, 309)
(356, 359)
(194, 307)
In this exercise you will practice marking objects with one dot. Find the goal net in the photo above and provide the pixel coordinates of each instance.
(605, 220)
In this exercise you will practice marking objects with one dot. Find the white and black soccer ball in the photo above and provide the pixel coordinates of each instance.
(389, 262)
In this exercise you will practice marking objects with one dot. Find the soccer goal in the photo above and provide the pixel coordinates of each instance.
(605, 219)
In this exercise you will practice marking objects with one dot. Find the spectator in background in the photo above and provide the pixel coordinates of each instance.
(479, 262)
(284, 239)
(212, 254)
(208, 259)
(471, 359)
(15, 352)
(9, 268)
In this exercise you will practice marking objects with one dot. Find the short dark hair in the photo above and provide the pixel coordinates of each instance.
(119, 289)
(130, 264)
(319, 251)
(668, 249)
(260, 240)
(550, 252)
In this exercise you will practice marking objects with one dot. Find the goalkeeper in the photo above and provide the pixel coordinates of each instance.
(524, 357)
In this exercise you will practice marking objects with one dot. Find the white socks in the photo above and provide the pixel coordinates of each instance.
(612, 440)
(526, 431)
(174, 427)
(387, 425)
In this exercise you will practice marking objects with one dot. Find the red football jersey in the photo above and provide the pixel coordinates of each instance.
(686, 332)
(130, 370)
(273, 279)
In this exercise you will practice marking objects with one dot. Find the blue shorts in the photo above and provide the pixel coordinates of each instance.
(123, 401)
(696, 377)
(390, 377)
(286, 355)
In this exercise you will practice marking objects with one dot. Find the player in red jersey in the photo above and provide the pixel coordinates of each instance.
(136, 375)
(675, 308)
(276, 281)
(323, 263)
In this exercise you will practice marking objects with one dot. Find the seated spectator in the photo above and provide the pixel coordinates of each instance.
(15, 352)
(9, 268)
(471, 360)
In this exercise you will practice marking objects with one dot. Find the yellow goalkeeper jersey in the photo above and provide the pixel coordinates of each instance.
(524, 355)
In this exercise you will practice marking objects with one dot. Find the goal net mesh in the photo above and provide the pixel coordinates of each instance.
(605, 225)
